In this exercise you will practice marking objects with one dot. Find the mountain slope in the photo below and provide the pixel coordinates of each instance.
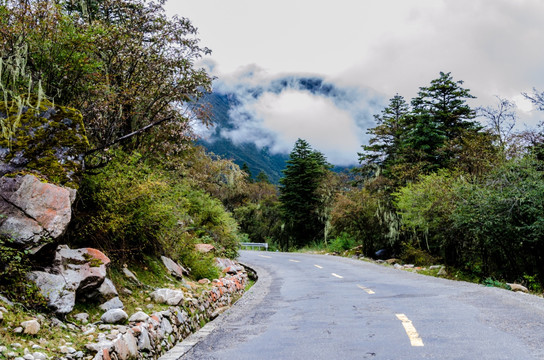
(257, 159)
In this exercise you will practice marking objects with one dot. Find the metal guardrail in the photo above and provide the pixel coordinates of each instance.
(255, 245)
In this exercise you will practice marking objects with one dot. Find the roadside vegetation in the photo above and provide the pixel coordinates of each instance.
(439, 181)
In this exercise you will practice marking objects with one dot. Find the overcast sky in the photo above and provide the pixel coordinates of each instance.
(373, 48)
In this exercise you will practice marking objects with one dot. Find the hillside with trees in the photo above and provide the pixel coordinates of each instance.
(434, 184)
(144, 189)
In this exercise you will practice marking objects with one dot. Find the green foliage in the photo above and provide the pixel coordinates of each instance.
(357, 212)
(490, 282)
(14, 265)
(416, 256)
(342, 243)
(202, 266)
(135, 207)
(502, 216)
(532, 283)
(412, 140)
(383, 149)
(299, 196)
(124, 64)
(261, 220)
(425, 207)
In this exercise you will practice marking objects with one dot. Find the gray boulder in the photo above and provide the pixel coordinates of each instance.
(175, 269)
(228, 266)
(60, 294)
(114, 303)
(114, 316)
(107, 290)
(138, 317)
(33, 210)
(73, 271)
(132, 345)
(167, 296)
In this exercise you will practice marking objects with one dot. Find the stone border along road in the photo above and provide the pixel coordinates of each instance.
(239, 309)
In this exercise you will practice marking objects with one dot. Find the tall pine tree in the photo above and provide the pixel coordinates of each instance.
(299, 197)
(383, 149)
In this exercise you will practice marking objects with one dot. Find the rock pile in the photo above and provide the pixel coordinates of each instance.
(78, 271)
(140, 336)
(149, 336)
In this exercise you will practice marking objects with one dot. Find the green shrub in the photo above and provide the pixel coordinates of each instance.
(418, 257)
(499, 220)
(342, 243)
(490, 282)
(201, 265)
(14, 265)
(532, 283)
(134, 206)
(425, 208)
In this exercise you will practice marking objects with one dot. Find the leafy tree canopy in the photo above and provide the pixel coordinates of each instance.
(123, 63)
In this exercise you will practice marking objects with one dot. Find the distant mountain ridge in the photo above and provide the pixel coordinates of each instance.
(256, 159)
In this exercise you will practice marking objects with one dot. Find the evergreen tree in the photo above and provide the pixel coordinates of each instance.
(423, 137)
(384, 145)
(249, 176)
(445, 102)
(263, 178)
(299, 197)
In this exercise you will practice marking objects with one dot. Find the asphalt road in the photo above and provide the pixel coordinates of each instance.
(324, 307)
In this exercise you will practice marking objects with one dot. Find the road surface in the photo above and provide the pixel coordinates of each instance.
(324, 307)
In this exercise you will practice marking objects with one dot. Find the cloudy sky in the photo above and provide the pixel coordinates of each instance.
(368, 51)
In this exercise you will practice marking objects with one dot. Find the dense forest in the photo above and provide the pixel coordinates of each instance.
(433, 185)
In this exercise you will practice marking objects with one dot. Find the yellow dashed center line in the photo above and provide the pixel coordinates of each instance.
(368, 291)
(264, 256)
(415, 340)
(319, 267)
(338, 276)
(293, 260)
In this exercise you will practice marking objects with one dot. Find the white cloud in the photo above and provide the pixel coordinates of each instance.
(274, 111)
(388, 46)
(293, 114)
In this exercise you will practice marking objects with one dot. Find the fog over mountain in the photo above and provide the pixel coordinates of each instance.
(272, 112)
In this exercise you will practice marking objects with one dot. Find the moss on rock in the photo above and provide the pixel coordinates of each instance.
(46, 139)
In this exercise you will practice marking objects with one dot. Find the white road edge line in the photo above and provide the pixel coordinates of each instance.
(293, 260)
(336, 275)
(411, 331)
(319, 267)
(264, 256)
(367, 290)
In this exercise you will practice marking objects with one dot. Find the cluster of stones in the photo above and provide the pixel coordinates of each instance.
(140, 336)
(149, 336)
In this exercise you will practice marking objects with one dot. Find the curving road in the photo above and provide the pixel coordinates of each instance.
(323, 307)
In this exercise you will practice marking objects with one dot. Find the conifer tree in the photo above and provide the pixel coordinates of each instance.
(384, 145)
(300, 200)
